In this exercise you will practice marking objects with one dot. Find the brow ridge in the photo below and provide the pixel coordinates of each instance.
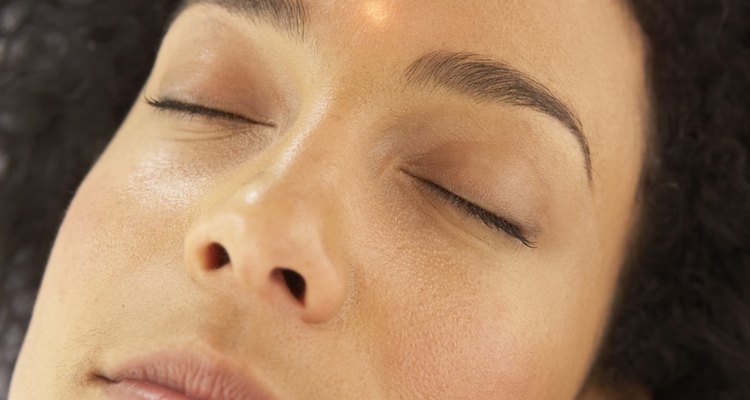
(487, 80)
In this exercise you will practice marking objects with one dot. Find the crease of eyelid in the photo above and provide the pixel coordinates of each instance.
(181, 107)
(490, 219)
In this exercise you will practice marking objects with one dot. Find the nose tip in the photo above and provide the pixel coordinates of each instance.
(276, 260)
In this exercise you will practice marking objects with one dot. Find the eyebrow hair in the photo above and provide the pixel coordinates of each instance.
(290, 16)
(486, 80)
(469, 74)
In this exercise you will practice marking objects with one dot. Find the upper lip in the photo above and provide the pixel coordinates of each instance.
(195, 376)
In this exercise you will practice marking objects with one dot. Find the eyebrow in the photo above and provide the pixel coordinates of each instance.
(486, 80)
(290, 16)
(481, 78)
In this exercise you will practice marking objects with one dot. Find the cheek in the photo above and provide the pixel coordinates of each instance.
(434, 333)
(447, 320)
(118, 225)
(457, 352)
(450, 345)
(127, 215)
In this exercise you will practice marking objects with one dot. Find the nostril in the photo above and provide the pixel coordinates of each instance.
(216, 256)
(295, 282)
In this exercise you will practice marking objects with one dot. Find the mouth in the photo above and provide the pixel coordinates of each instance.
(181, 376)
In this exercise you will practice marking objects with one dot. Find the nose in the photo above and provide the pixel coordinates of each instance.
(272, 243)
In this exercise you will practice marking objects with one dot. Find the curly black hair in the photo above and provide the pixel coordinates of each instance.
(681, 327)
(70, 69)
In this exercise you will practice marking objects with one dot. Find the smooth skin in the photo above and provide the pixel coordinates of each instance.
(323, 159)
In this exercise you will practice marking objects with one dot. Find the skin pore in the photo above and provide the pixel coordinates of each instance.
(457, 237)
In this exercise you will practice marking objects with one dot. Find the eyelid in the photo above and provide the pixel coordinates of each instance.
(489, 218)
(192, 109)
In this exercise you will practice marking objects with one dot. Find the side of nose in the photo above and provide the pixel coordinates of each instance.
(272, 242)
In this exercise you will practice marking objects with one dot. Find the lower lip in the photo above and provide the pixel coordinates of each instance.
(140, 390)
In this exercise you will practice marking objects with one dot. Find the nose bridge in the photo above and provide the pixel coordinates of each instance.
(302, 187)
(308, 171)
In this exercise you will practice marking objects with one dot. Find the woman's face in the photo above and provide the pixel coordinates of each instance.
(373, 199)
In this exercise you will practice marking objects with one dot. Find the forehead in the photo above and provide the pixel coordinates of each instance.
(550, 37)
(579, 49)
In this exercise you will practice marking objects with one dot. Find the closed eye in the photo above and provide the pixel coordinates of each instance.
(489, 218)
(189, 109)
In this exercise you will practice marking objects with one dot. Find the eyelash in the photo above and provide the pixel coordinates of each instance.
(473, 210)
(190, 109)
(488, 218)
